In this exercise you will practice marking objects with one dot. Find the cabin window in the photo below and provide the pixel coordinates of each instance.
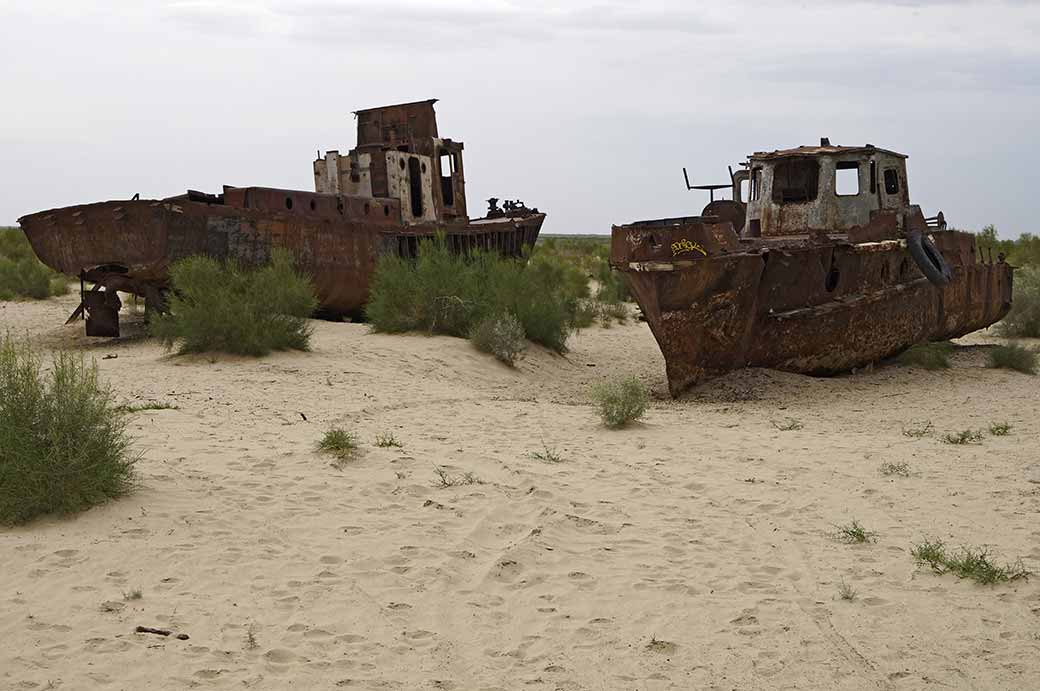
(891, 181)
(846, 179)
(447, 165)
(796, 180)
(756, 184)
(742, 190)
(415, 187)
(873, 177)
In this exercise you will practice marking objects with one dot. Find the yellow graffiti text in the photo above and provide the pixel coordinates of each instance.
(683, 246)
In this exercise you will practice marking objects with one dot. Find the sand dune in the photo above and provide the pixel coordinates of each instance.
(694, 550)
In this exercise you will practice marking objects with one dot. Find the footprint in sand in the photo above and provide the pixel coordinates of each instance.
(281, 656)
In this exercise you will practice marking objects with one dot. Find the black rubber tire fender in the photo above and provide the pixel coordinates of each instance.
(929, 259)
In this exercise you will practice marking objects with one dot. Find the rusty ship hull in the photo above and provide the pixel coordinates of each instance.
(815, 307)
(128, 246)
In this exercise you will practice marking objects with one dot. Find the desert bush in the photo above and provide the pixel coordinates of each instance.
(888, 468)
(928, 355)
(448, 293)
(232, 309)
(620, 401)
(501, 335)
(971, 562)
(1000, 429)
(339, 443)
(63, 440)
(966, 436)
(854, 533)
(1013, 356)
(1023, 321)
(21, 273)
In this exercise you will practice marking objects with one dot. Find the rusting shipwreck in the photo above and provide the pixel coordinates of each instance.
(824, 267)
(402, 182)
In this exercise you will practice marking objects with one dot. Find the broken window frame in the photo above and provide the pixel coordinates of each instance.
(787, 171)
(839, 179)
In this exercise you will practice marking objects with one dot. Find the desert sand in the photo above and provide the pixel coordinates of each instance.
(694, 550)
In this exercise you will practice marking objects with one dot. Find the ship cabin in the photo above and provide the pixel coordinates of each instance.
(819, 189)
(400, 156)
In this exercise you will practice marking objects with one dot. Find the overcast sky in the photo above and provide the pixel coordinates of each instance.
(587, 110)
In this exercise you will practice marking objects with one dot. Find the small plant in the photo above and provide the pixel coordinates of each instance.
(1013, 356)
(501, 335)
(387, 440)
(902, 469)
(228, 308)
(620, 401)
(918, 429)
(63, 442)
(967, 436)
(788, 424)
(546, 454)
(854, 533)
(446, 480)
(1000, 429)
(971, 562)
(846, 591)
(928, 355)
(340, 443)
(251, 642)
(133, 595)
(141, 407)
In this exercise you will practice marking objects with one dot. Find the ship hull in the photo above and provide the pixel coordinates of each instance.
(817, 306)
(129, 245)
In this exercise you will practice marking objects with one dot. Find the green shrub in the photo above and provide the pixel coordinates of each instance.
(928, 355)
(972, 562)
(502, 336)
(63, 441)
(340, 443)
(1023, 321)
(448, 293)
(231, 309)
(21, 273)
(620, 401)
(1013, 356)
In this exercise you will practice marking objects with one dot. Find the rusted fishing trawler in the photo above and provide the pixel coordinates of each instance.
(400, 184)
(825, 267)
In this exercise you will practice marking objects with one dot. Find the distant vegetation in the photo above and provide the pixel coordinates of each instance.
(63, 440)
(216, 307)
(22, 275)
(1024, 253)
(1013, 356)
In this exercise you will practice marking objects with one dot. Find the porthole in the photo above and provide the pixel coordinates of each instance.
(288, 202)
(366, 208)
(313, 205)
(424, 167)
(386, 210)
(400, 162)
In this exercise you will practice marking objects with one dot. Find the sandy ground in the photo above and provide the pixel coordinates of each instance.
(694, 550)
